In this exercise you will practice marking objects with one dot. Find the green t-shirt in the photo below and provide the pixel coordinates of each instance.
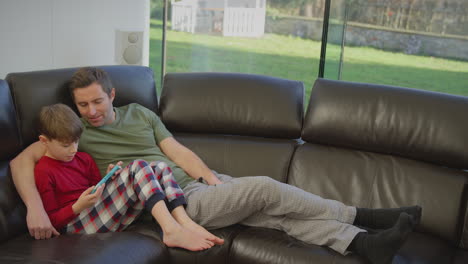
(135, 134)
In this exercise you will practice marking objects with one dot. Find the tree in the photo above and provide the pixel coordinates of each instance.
(156, 8)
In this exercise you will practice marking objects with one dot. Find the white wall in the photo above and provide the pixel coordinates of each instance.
(50, 34)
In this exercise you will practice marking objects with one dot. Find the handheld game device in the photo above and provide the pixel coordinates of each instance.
(106, 178)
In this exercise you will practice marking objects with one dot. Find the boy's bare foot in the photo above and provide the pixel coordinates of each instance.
(190, 225)
(184, 238)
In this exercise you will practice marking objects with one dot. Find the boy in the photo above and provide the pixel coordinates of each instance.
(65, 179)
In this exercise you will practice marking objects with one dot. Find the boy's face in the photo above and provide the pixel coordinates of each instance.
(59, 150)
(94, 105)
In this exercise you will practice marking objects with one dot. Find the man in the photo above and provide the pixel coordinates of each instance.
(214, 200)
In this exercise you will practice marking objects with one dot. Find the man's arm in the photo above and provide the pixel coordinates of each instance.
(22, 170)
(187, 160)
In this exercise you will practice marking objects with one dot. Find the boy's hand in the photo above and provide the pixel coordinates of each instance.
(109, 168)
(87, 199)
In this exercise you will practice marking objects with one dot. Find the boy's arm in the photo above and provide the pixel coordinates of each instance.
(22, 170)
(187, 160)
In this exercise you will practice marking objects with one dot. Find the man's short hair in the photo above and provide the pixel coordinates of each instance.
(59, 122)
(86, 76)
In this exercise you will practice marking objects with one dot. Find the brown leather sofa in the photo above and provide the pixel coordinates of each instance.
(366, 145)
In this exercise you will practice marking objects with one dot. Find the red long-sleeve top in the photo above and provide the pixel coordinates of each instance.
(60, 184)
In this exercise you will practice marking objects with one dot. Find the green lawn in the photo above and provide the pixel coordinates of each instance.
(298, 59)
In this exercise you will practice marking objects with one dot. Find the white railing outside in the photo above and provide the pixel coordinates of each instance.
(238, 22)
(183, 17)
(244, 22)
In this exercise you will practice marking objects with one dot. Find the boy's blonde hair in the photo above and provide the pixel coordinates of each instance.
(59, 122)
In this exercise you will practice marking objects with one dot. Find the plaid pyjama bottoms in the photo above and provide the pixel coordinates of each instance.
(139, 186)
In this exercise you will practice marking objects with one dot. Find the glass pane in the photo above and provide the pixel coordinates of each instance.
(278, 38)
(156, 32)
(417, 44)
(335, 37)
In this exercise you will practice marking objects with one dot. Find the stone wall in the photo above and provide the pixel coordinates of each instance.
(409, 42)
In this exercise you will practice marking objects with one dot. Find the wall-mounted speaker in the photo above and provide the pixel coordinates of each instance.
(129, 47)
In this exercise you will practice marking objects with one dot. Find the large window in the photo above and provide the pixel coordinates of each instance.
(278, 38)
(412, 43)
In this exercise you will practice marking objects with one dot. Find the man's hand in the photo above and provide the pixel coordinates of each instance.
(39, 225)
(87, 199)
(214, 181)
(188, 161)
(22, 170)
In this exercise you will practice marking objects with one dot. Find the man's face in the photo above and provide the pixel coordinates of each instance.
(94, 105)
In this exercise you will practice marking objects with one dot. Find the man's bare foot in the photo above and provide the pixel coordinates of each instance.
(185, 238)
(190, 225)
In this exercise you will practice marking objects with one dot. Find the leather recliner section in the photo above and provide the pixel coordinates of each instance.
(239, 124)
(374, 146)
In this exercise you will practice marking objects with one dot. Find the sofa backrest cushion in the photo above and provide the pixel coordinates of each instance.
(232, 103)
(239, 124)
(411, 123)
(239, 156)
(12, 213)
(32, 90)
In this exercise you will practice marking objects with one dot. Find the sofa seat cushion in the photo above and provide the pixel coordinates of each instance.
(122, 247)
(426, 249)
(460, 257)
(214, 255)
(217, 254)
(262, 245)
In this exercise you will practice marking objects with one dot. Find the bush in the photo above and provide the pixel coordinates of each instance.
(156, 9)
